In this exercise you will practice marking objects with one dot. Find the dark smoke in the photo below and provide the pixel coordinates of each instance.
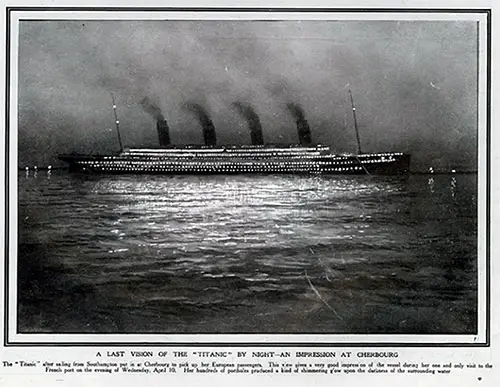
(253, 122)
(161, 123)
(302, 126)
(205, 122)
(151, 108)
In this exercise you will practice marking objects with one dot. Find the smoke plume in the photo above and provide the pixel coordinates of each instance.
(253, 122)
(152, 109)
(303, 129)
(205, 122)
(161, 123)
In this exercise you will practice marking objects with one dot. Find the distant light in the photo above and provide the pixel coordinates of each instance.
(27, 169)
(49, 167)
(453, 171)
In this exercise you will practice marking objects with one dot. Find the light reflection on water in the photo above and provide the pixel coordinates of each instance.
(386, 253)
(237, 213)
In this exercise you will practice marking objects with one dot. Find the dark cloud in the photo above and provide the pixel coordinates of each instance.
(414, 84)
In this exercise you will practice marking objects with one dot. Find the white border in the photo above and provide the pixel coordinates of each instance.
(269, 339)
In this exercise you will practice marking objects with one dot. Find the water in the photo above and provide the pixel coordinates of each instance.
(247, 254)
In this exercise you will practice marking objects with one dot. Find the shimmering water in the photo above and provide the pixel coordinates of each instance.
(291, 254)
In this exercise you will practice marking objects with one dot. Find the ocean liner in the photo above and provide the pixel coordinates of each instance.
(210, 158)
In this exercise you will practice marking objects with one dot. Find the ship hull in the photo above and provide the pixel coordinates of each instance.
(376, 163)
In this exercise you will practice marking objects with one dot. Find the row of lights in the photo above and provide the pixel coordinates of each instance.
(199, 163)
(381, 160)
(220, 155)
(379, 154)
(321, 159)
(217, 152)
(342, 169)
(202, 166)
(206, 169)
(228, 169)
(228, 150)
(188, 166)
(35, 168)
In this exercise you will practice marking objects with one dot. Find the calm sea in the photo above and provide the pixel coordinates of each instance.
(283, 254)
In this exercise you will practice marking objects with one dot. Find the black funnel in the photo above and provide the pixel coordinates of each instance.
(205, 122)
(161, 123)
(163, 135)
(253, 122)
(303, 129)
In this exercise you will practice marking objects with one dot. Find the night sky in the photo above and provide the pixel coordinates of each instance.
(413, 82)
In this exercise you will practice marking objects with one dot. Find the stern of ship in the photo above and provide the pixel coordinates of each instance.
(399, 166)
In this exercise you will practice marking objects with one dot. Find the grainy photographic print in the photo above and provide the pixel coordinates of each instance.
(247, 176)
